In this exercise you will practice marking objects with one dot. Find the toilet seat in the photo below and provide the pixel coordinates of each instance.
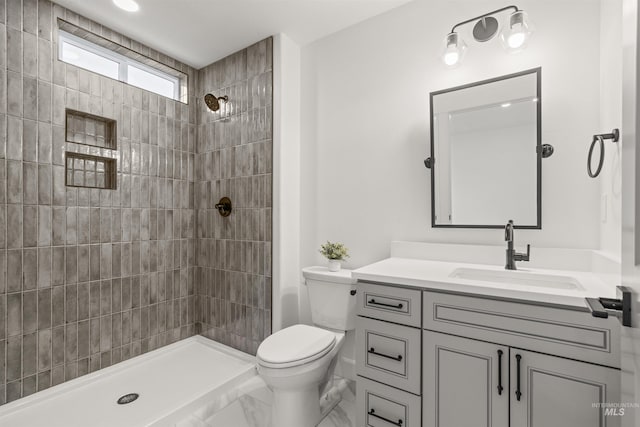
(295, 346)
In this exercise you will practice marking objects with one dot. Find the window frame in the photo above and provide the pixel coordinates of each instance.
(122, 61)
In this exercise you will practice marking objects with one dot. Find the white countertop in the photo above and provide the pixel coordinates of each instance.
(436, 275)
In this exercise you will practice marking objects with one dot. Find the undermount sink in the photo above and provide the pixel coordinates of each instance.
(520, 278)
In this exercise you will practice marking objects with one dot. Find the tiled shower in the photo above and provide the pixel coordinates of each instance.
(234, 158)
(90, 277)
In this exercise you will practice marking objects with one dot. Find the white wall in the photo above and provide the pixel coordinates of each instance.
(611, 117)
(364, 129)
(286, 182)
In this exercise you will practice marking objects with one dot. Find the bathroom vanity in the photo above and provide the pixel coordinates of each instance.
(441, 343)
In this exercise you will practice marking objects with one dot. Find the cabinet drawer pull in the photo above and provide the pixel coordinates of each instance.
(373, 351)
(374, 302)
(500, 388)
(372, 412)
(518, 392)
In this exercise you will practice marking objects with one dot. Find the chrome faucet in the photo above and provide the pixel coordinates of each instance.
(512, 255)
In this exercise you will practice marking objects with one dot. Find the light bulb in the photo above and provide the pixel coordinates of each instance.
(451, 58)
(516, 40)
(454, 50)
(516, 35)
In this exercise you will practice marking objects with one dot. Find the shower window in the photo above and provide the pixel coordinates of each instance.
(82, 53)
(151, 81)
(88, 60)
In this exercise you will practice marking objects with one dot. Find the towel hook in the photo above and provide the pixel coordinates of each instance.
(613, 136)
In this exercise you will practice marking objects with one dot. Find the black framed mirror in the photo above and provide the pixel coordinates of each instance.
(486, 153)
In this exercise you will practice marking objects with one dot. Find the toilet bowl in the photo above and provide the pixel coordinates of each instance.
(297, 374)
(297, 362)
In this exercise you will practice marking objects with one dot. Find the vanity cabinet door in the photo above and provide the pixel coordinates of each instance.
(552, 391)
(465, 382)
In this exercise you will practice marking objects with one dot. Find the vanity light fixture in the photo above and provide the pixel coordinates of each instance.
(128, 5)
(514, 36)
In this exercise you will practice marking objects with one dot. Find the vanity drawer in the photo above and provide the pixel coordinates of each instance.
(562, 332)
(383, 406)
(390, 303)
(388, 353)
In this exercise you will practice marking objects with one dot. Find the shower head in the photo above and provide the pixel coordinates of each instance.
(213, 102)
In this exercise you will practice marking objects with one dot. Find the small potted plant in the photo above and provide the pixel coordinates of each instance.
(335, 253)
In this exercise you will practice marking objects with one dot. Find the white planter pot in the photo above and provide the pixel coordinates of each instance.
(334, 265)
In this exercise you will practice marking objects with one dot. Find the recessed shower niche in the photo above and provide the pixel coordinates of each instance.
(90, 169)
(88, 129)
(85, 170)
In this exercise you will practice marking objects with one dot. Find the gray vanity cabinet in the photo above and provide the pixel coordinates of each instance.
(560, 392)
(470, 383)
(388, 356)
(556, 382)
(466, 382)
(481, 362)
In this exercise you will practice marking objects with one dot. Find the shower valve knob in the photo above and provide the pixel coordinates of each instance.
(224, 206)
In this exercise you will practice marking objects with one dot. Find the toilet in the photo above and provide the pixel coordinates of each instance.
(297, 362)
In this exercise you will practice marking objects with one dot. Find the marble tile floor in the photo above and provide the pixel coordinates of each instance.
(249, 405)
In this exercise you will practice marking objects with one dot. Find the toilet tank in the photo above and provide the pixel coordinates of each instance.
(330, 296)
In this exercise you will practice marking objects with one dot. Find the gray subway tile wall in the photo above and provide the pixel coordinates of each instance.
(88, 277)
(234, 159)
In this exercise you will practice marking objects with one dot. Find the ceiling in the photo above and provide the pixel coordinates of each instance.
(199, 32)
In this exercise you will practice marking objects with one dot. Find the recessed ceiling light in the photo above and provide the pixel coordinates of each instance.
(128, 5)
(506, 105)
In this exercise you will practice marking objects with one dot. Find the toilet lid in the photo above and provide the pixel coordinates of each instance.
(294, 346)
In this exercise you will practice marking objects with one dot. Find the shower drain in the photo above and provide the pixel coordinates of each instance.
(128, 398)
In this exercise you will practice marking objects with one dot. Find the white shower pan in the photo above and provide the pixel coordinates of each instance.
(171, 383)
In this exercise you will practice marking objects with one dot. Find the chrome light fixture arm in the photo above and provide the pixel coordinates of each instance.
(459, 24)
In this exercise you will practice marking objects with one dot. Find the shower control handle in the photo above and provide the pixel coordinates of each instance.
(224, 206)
